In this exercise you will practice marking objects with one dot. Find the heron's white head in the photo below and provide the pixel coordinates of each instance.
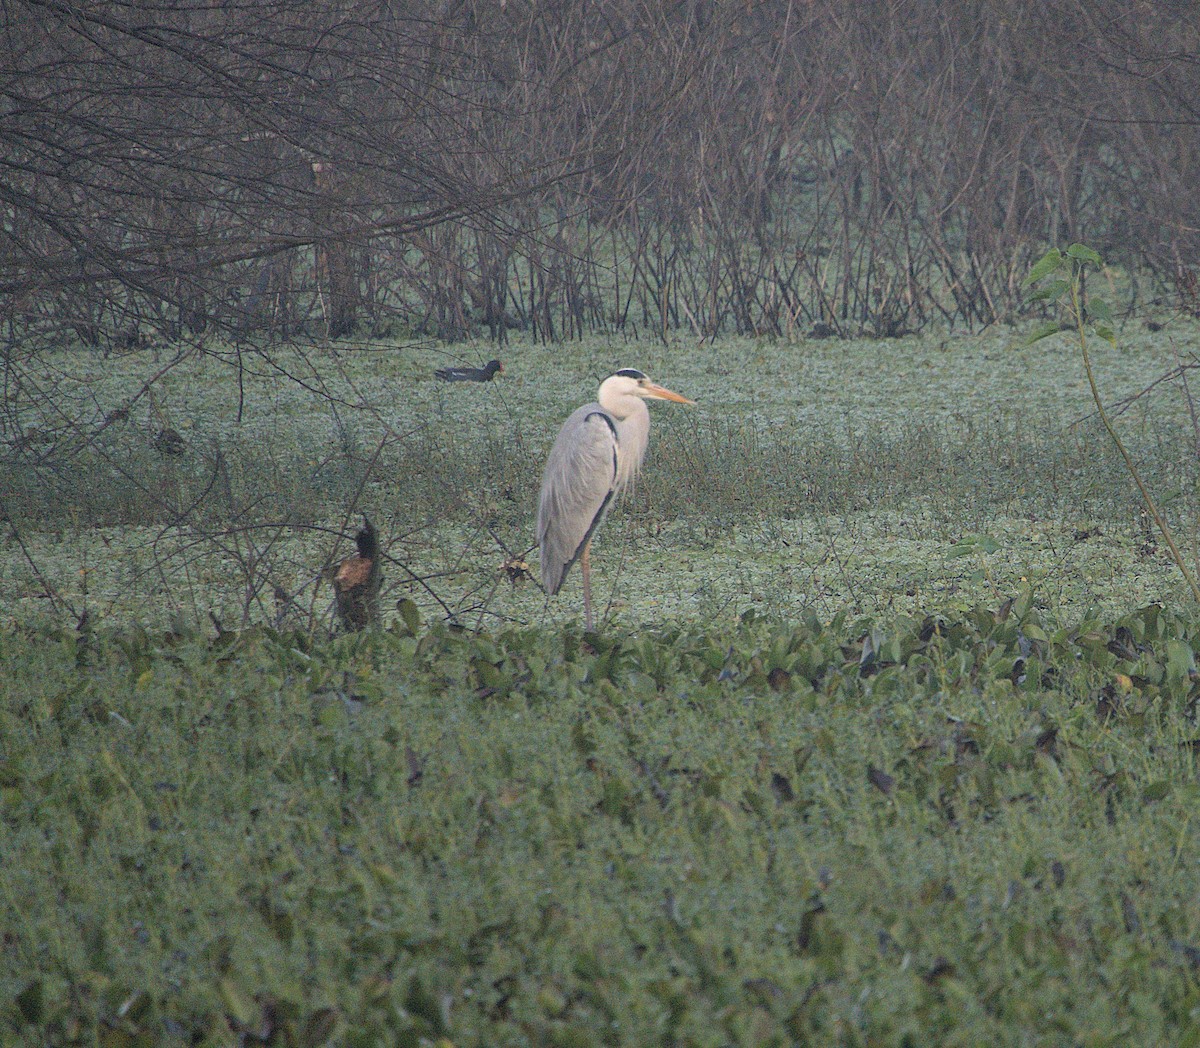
(616, 391)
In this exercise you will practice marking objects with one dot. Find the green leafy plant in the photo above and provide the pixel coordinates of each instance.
(1059, 277)
(526, 837)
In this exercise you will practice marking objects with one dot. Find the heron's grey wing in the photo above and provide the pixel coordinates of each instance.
(576, 489)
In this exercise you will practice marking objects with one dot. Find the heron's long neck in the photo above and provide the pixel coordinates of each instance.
(633, 435)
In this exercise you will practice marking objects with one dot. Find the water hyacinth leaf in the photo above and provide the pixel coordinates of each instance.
(410, 615)
(866, 661)
(31, 1001)
(809, 921)
(880, 779)
(421, 1003)
(1156, 791)
(384, 874)
(1181, 661)
(781, 786)
(319, 1027)
(582, 740)
(332, 714)
(135, 1006)
(1129, 914)
(415, 764)
(801, 756)
(753, 800)
(488, 675)
(278, 919)
(974, 544)
(238, 1004)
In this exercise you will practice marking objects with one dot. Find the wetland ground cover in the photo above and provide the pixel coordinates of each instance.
(888, 738)
(976, 828)
(876, 476)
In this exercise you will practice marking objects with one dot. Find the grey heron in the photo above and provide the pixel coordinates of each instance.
(597, 454)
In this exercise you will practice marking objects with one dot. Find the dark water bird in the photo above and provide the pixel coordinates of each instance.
(483, 374)
(356, 582)
(598, 452)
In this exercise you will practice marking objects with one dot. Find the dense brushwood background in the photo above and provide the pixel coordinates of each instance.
(474, 166)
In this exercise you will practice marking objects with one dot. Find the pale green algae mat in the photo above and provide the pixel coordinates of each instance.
(875, 476)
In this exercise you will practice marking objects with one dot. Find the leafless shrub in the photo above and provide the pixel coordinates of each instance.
(708, 166)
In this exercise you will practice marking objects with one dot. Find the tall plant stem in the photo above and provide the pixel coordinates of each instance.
(1147, 498)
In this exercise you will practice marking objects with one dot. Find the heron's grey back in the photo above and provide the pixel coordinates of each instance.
(577, 487)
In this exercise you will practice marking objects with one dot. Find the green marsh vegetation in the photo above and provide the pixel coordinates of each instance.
(971, 827)
(877, 476)
(885, 738)
(888, 734)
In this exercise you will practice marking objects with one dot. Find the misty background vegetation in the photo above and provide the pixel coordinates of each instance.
(478, 166)
(237, 237)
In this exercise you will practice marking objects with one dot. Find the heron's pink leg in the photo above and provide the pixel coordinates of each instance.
(585, 565)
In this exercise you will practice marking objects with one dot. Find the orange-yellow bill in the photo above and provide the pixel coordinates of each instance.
(662, 393)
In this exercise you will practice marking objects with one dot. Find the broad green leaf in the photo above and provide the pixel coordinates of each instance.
(135, 1006)
(1156, 791)
(1055, 289)
(974, 544)
(331, 714)
(1098, 310)
(238, 1003)
(410, 614)
(1051, 327)
(30, 1002)
(1106, 333)
(1048, 263)
(1181, 660)
(1034, 632)
(1083, 253)
(319, 1027)
(424, 1005)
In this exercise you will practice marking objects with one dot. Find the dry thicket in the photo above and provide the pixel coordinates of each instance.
(763, 166)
